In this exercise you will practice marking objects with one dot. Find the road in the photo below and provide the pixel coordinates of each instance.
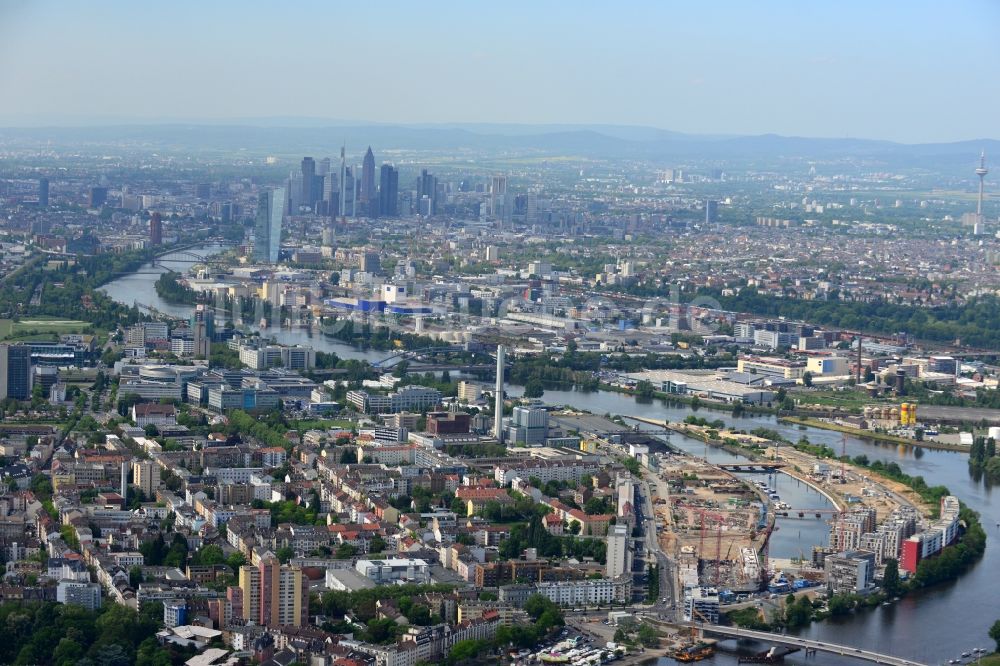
(653, 550)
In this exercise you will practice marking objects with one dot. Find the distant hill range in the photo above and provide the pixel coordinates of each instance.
(324, 137)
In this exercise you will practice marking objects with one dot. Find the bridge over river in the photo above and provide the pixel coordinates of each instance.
(803, 643)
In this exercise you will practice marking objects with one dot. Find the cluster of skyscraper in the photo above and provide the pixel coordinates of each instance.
(320, 190)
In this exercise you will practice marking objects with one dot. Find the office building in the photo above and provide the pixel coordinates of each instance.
(155, 229)
(175, 613)
(367, 193)
(406, 399)
(274, 595)
(267, 228)
(711, 211)
(43, 192)
(619, 555)
(15, 371)
(98, 197)
(388, 191)
(308, 195)
(223, 398)
(394, 569)
(370, 262)
(501, 202)
(448, 423)
(701, 604)
(427, 192)
(529, 426)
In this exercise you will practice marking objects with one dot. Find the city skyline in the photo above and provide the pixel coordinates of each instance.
(678, 68)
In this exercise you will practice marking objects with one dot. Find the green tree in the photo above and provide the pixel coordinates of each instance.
(798, 611)
(235, 561)
(68, 651)
(995, 633)
(534, 389)
(807, 379)
(466, 650)
(653, 584)
(891, 584)
(208, 555)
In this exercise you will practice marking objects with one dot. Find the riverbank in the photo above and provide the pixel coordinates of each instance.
(869, 434)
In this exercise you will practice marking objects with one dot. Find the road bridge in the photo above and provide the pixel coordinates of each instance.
(402, 354)
(642, 419)
(804, 643)
(759, 468)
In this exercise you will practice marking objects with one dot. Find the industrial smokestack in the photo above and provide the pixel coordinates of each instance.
(498, 396)
(858, 371)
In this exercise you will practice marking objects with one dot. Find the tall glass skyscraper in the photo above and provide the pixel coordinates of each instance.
(388, 191)
(15, 371)
(267, 229)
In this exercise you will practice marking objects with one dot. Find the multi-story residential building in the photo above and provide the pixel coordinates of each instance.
(545, 470)
(929, 542)
(850, 572)
(469, 391)
(274, 594)
(272, 456)
(79, 593)
(588, 592)
(619, 555)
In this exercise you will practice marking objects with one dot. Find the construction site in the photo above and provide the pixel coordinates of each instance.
(718, 523)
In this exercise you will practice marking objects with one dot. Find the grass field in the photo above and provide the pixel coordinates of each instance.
(843, 399)
(322, 424)
(39, 328)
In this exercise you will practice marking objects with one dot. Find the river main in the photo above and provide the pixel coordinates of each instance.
(929, 627)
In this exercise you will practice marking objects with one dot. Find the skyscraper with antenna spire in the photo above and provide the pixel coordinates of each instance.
(343, 179)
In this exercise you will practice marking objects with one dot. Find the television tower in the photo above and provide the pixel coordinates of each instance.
(981, 172)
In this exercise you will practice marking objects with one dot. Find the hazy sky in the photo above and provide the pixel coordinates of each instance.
(908, 70)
